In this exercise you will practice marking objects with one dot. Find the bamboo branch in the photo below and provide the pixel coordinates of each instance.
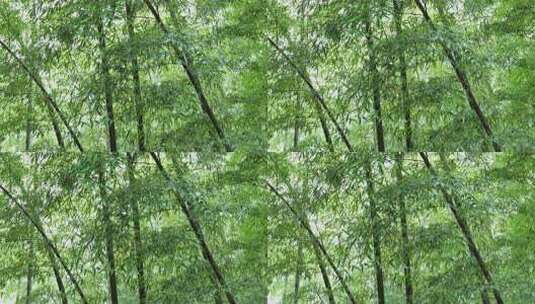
(49, 243)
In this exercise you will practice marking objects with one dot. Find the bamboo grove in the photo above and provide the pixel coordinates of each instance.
(273, 151)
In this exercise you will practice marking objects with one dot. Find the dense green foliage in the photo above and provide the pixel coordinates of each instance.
(255, 238)
(61, 191)
(267, 151)
(495, 195)
(351, 50)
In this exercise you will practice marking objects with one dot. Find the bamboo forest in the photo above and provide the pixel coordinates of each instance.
(267, 151)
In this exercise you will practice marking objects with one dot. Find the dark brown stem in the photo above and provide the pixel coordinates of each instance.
(47, 241)
(57, 275)
(298, 272)
(406, 249)
(49, 101)
(193, 77)
(376, 236)
(29, 274)
(378, 116)
(324, 273)
(138, 245)
(315, 93)
(138, 101)
(463, 80)
(108, 236)
(315, 239)
(465, 229)
(405, 101)
(197, 230)
(107, 87)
